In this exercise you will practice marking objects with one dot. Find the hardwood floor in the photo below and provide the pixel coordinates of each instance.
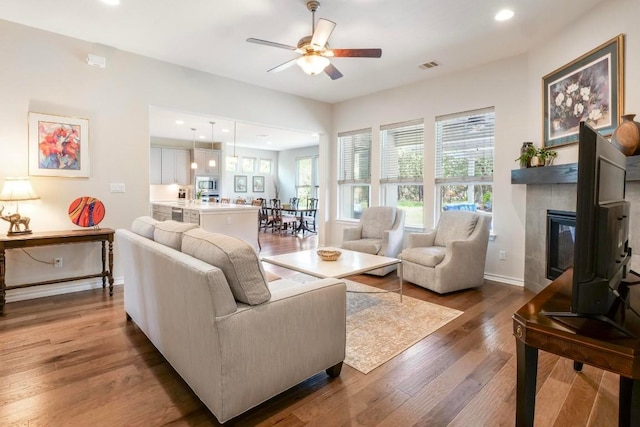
(74, 360)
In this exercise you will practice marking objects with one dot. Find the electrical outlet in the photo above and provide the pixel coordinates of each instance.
(503, 255)
(57, 263)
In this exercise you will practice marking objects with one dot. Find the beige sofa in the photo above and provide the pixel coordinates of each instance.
(202, 299)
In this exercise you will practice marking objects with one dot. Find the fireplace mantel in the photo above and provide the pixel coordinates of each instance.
(565, 174)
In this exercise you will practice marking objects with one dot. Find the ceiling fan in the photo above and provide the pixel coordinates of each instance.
(314, 49)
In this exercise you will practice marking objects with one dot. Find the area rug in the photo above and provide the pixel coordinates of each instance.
(379, 326)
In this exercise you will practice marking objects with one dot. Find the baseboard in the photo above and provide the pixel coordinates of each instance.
(33, 292)
(504, 279)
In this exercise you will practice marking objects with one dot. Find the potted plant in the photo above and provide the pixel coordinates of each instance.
(528, 153)
(546, 156)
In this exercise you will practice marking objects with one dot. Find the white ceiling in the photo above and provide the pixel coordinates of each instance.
(162, 124)
(211, 35)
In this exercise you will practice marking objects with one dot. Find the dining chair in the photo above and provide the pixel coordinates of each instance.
(225, 200)
(309, 217)
(240, 201)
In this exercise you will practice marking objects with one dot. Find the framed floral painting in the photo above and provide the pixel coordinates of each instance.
(590, 89)
(58, 146)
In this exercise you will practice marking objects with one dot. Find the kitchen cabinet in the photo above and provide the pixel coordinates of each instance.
(191, 215)
(169, 166)
(155, 166)
(161, 213)
(175, 166)
(202, 158)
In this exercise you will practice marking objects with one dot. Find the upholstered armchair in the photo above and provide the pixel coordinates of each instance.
(450, 257)
(380, 232)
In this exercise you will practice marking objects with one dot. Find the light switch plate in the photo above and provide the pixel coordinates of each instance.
(117, 188)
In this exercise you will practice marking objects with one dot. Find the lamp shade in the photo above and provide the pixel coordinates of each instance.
(313, 64)
(17, 189)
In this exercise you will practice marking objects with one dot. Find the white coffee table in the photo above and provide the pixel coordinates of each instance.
(349, 263)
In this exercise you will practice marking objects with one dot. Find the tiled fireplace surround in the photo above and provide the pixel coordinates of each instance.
(554, 188)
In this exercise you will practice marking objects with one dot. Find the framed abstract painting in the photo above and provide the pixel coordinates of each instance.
(58, 146)
(589, 88)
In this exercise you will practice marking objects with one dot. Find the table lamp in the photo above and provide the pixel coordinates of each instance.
(16, 190)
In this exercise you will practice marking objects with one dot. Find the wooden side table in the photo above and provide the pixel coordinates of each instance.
(582, 340)
(104, 235)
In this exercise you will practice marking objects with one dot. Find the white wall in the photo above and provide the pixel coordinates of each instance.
(513, 87)
(46, 72)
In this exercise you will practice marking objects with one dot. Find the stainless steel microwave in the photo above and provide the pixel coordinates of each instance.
(206, 184)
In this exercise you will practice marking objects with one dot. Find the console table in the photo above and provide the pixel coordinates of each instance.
(18, 241)
(582, 340)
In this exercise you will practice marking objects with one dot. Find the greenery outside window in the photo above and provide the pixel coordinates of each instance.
(464, 160)
(354, 173)
(402, 164)
(304, 175)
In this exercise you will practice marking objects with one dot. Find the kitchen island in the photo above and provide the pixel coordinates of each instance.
(225, 218)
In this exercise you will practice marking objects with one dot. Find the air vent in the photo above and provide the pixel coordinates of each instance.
(427, 65)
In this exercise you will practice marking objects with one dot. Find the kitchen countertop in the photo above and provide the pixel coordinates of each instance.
(205, 207)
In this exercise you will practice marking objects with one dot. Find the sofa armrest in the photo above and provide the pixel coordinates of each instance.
(422, 240)
(353, 233)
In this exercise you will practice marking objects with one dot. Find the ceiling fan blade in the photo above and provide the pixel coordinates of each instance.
(355, 53)
(332, 72)
(323, 30)
(273, 44)
(283, 66)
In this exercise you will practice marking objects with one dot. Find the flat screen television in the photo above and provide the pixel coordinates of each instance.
(601, 250)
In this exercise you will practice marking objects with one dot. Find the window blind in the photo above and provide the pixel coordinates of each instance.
(465, 146)
(354, 152)
(402, 152)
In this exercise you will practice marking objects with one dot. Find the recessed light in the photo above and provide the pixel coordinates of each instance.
(179, 122)
(504, 14)
(225, 130)
(111, 2)
(315, 135)
(201, 137)
(269, 142)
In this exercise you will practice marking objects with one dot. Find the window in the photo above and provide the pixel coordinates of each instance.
(464, 160)
(304, 174)
(265, 166)
(354, 173)
(402, 160)
(248, 164)
(232, 164)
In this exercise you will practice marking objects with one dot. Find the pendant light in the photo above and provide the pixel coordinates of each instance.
(194, 165)
(234, 141)
(212, 161)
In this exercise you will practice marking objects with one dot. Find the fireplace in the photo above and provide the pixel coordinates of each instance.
(561, 231)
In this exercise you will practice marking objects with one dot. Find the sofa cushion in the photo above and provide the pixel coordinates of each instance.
(169, 233)
(455, 225)
(376, 220)
(144, 226)
(426, 256)
(369, 246)
(236, 258)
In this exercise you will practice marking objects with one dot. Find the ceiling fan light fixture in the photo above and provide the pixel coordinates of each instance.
(313, 64)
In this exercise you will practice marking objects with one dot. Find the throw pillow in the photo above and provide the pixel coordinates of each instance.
(236, 258)
(144, 226)
(169, 233)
